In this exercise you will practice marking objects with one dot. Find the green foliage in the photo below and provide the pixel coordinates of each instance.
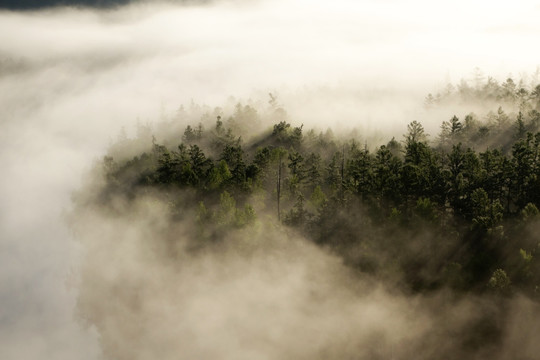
(487, 214)
(530, 212)
(227, 209)
(415, 133)
(245, 217)
(434, 210)
(524, 270)
(228, 215)
(298, 215)
(499, 282)
(426, 209)
(318, 199)
(202, 214)
(219, 175)
(451, 131)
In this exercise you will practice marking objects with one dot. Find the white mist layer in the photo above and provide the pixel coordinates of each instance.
(153, 292)
(261, 294)
(70, 79)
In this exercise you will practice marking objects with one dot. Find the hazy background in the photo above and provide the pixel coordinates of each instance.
(71, 78)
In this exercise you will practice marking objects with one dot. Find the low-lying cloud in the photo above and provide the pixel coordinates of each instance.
(152, 291)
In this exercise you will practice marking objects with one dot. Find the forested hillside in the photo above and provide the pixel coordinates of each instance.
(216, 223)
(269, 180)
(457, 210)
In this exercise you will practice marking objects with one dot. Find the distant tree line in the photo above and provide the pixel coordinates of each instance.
(523, 93)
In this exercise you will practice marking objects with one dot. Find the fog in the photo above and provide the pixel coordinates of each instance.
(72, 78)
(265, 292)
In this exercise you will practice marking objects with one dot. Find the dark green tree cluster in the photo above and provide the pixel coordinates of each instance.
(441, 214)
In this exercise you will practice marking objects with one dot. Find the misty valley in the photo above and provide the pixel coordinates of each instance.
(269, 180)
(247, 235)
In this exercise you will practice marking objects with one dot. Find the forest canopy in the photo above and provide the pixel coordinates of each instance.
(474, 187)
(454, 212)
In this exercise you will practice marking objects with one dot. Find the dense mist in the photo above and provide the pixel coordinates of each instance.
(271, 294)
(72, 77)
